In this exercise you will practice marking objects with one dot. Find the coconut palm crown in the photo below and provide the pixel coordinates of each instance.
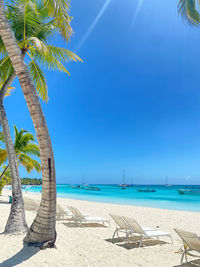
(33, 28)
(25, 148)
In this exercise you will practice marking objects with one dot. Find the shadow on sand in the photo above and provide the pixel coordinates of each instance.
(4, 202)
(24, 254)
(189, 264)
(73, 225)
(134, 242)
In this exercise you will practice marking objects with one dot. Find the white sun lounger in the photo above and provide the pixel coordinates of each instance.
(79, 218)
(62, 214)
(122, 226)
(135, 228)
(190, 242)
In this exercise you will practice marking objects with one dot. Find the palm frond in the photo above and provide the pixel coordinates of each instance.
(39, 45)
(3, 156)
(63, 54)
(31, 149)
(29, 163)
(48, 61)
(9, 90)
(3, 51)
(59, 9)
(45, 30)
(23, 17)
(22, 140)
(39, 80)
(2, 138)
(189, 12)
(6, 68)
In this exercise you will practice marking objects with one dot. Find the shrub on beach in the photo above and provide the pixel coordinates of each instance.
(6, 179)
(2, 183)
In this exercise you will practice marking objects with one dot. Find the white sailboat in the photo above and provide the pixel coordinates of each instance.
(123, 185)
(166, 184)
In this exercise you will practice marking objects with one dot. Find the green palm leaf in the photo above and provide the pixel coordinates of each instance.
(29, 163)
(31, 149)
(188, 10)
(38, 44)
(48, 61)
(39, 80)
(58, 9)
(33, 22)
(24, 148)
(6, 69)
(63, 54)
(2, 138)
(3, 156)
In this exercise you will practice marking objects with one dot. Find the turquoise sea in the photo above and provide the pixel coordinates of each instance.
(164, 197)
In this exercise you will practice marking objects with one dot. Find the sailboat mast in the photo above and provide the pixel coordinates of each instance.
(123, 177)
(83, 179)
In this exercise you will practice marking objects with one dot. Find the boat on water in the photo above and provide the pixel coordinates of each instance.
(166, 184)
(92, 188)
(188, 192)
(147, 190)
(76, 186)
(123, 185)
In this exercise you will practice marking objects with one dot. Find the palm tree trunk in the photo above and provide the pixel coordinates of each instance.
(42, 229)
(16, 221)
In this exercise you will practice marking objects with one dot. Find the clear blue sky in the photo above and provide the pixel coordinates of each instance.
(135, 101)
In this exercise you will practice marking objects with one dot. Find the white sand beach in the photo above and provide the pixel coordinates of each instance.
(91, 246)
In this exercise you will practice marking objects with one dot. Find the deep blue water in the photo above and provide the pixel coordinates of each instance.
(164, 197)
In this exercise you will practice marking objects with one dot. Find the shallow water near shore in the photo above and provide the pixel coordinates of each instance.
(164, 197)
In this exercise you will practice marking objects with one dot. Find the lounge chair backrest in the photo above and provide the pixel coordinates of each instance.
(60, 209)
(134, 225)
(30, 204)
(60, 212)
(190, 239)
(119, 221)
(76, 212)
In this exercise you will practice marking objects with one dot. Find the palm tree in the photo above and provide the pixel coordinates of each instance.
(43, 228)
(25, 147)
(16, 222)
(189, 10)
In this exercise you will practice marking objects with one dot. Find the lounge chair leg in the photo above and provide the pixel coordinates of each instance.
(140, 242)
(126, 238)
(182, 257)
(186, 257)
(114, 234)
(117, 233)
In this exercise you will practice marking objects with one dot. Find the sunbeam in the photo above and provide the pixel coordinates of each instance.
(136, 12)
(94, 23)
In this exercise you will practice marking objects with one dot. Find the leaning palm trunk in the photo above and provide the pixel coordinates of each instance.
(16, 222)
(42, 229)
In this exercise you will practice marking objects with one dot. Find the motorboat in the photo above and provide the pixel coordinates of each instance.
(75, 186)
(147, 190)
(92, 188)
(188, 192)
